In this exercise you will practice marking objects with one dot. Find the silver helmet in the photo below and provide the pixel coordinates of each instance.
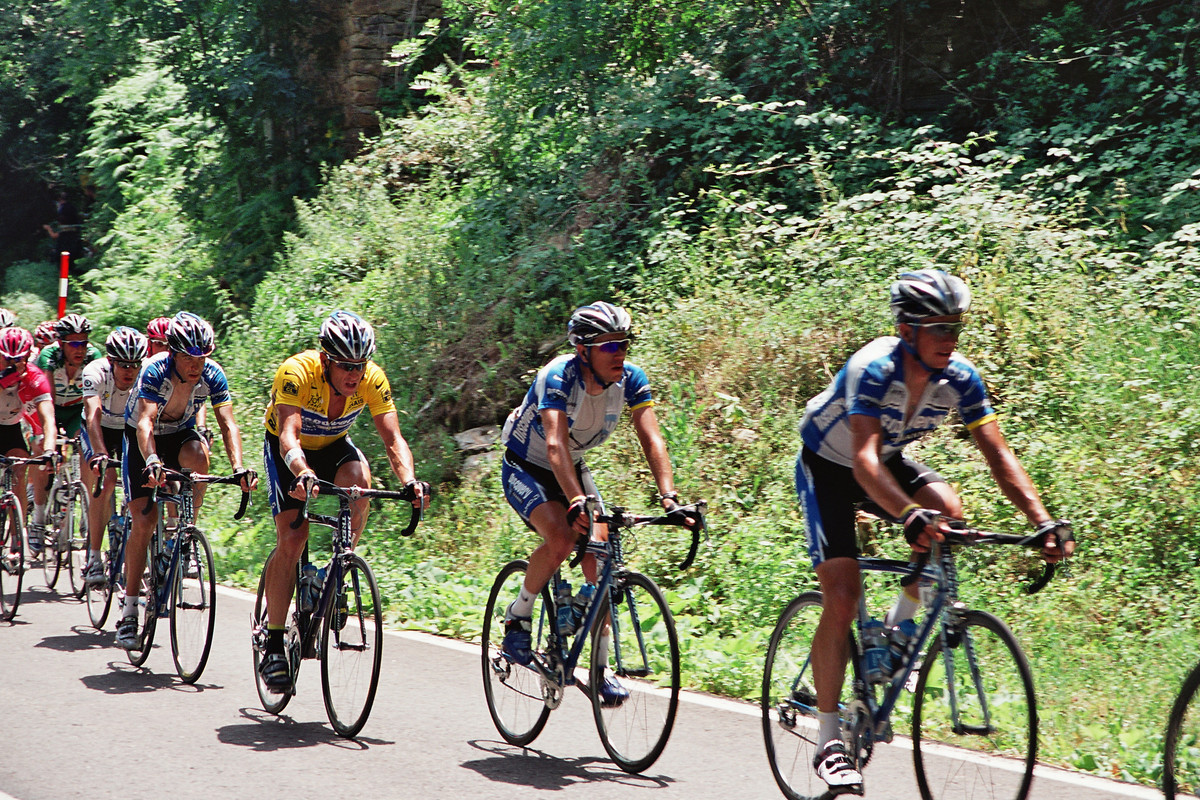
(190, 334)
(347, 337)
(126, 344)
(928, 293)
(590, 322)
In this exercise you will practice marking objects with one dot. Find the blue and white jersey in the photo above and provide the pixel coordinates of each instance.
(98, 381)
(872, 383)
(155, 385)
(592, 418)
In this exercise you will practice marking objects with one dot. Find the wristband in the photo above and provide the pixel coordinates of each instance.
(292, 456)
(904, 511)
(577, 498)
(671, 495)
(153, 460)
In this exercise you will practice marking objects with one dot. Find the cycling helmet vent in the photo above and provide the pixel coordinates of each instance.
(928, 293)
(595, 320)
(190, 334)
(347, 337)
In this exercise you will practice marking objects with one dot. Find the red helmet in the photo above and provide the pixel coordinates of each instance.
(15, 343)
(156, 329)
(46, 333)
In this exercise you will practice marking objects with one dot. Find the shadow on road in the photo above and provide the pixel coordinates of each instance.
(524, 766)
(83, 638)
(267, 732)
(124, 678)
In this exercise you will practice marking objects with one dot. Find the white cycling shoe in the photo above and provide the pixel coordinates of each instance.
(834, 766)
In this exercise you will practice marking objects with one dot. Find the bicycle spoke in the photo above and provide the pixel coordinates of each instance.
(193, 605)
(351, 647)
(12, 561)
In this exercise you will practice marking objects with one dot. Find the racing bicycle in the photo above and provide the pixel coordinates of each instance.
(12, 536)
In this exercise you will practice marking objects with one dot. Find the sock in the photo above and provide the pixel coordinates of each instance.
(275, 639)
(93, 555)
(830, 727)
(602, 644)
(39, 514)
(523, 605)
(905, 606)
(131, 605)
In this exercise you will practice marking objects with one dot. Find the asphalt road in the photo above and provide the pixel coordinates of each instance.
(83, 723)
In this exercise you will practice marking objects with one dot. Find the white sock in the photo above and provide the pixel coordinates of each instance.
(39, 514)
(523, 605)
(829, 727)
(131, 604)
(905, 606)
(93, 555)
(602, 646)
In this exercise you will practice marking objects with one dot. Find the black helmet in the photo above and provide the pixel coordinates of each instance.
(190, 334)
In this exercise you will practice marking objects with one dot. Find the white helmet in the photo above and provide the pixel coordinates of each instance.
(126, 344)
(928, 293)
(7, 318)
(590, 322)
(347, 337)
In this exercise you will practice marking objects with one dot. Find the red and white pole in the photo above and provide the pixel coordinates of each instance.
(64, 269)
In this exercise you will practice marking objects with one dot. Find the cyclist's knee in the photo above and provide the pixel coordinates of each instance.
(940, 497)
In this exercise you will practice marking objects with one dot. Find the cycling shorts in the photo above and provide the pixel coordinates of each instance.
(527, 486)
(114, 443)
(69, 418)
(325, 461)
(11, 439)
(830, 496)
(133, 465)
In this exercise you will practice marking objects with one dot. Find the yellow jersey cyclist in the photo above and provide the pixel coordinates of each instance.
(107, 383)
(574, 405)
(63, 361)
(890, 393)
(160, 431)
(315, 399)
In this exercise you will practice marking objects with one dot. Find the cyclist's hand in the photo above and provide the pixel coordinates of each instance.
(1060, 539)
(52, 462)
(153, 475)
(577, 514)
(418, 492)
(206, 435)
(671, 504)
(922, 526)
(247, 478)
(304, 485)
(98, 462)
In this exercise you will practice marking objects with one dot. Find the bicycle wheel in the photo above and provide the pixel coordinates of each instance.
(193, 604)
(77, 541)
(351, 646)
(642, 653)
(1181, 755)
(789, 700)
(55, 533)
(147, 606)
(12, 560)
(99, 598)
(974, 693)
(514, 693)
(272, 703)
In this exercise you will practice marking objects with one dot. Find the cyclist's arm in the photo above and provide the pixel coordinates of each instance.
(231, 434)
(91, 419)
(45, 410)
(399, 455)
(645, 424)
(290, 419)
(558, 453)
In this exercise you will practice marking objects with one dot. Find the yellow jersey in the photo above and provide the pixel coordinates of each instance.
(300, 382)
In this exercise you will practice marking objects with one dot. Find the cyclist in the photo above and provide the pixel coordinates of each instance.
(63, 362)
(890, 393)
(45, 333)
(160, 432)
(315, 399)
(7, 318)
(22, 384)
(156, 335)
(106, 386)
(574, 405)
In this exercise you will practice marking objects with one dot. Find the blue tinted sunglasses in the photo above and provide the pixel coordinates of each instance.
(615, 346)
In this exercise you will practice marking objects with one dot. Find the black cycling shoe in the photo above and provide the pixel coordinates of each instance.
(275, 672)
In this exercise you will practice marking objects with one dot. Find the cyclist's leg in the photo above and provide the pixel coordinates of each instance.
(930, 490)
(143, 516)
(193, 455)
(349, 467)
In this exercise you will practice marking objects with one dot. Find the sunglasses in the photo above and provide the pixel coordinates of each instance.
(349, 366)
(615, 346)
(76, 344)
(942, 330)
(127, 364)
(17, 359)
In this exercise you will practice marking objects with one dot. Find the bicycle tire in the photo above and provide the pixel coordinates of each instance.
(148, 603)
(514, 693)
(52, 537)
(1181, 756)
(99, 598)
(271, 702)
(77, 541)
(789, 699)
(351, 646)
(644, 655)
(193, 608)
(984, 674)
(12, 565)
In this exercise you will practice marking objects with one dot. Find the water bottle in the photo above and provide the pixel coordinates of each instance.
(875, 653)
(310, 587)
(580, 603)
(562, 600)
(898, 639)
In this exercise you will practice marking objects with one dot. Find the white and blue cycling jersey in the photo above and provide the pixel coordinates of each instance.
(592, 418)
(872, 383)
(155, 385)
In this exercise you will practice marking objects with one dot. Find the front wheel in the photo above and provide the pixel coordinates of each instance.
(193, 604)
(634, 678)
(514, 692)
(1181, 756)
(56, 543)
(975, 693)
(12, 560)
(789, 699)
(351, 646)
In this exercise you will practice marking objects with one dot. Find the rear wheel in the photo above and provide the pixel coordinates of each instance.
(272, 703)
(514, 693)
(12, 561)
(55, 541)
(99, 598)
(77, 541)
(193, 604)
(634, 638)
(351, 646)
(1181, 757)
(975, 693)
(147, 606)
